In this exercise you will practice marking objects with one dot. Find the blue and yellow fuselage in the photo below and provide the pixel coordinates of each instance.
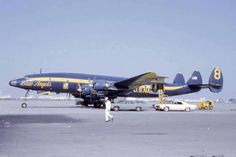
(73, 83)
(94, 88)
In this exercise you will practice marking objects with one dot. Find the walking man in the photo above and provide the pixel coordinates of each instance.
(108, 116)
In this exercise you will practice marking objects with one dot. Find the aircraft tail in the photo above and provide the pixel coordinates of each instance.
(216, 80)
(179, 79)
(196, 79)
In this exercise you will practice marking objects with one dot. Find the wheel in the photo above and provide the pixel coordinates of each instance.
(187, 109)
(97, 105)
(24, 105)
(166, 109)
(116, 108)
(84, 104)
(138, 109)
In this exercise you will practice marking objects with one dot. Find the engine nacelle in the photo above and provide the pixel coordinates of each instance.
(101, 86)
(87, 91)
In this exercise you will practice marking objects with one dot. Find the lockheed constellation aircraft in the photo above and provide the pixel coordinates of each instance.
(94, 88)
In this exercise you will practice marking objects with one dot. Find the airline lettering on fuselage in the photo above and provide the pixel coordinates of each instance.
(65, 86)
(40, 84)
(143, 89)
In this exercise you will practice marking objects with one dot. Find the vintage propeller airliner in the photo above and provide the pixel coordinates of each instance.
(94, 88)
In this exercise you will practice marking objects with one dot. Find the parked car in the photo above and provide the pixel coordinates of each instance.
(129, 105)
(175, 106)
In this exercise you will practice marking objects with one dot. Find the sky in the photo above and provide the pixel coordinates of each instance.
(118, 38)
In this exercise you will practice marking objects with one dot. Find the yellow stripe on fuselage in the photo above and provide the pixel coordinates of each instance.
(84, 81)
(148, 88)
(61, 79)
(173, 87)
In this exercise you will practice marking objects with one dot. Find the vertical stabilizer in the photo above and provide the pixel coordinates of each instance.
(216, 80)
(196, 79)
(179, 79)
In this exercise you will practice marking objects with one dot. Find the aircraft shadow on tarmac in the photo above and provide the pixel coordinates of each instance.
(81, 107)
(29, 119)
(52, 107)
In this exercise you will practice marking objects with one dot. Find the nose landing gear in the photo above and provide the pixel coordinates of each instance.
(24, 104)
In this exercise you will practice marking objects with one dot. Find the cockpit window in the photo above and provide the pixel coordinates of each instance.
(13, 82)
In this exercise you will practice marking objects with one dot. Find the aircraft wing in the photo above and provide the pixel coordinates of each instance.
(136, 81)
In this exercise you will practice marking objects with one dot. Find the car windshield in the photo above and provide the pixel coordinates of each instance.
(179, 103)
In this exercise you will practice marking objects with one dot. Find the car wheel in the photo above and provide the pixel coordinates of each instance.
(116, 108)
(187, 109)
(138, 109)
(166, 109)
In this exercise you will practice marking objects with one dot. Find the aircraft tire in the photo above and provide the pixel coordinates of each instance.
(84, 104)
(97, 105)
(24, 105)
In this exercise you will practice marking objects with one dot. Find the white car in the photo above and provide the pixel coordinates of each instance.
(129, 105)
(176, 106)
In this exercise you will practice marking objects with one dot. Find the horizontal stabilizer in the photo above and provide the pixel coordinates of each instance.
(215, 84)
(136, 81)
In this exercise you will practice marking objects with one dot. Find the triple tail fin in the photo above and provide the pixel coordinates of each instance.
(179, 79)
(196, 79)
(216, 80)
(215, 83)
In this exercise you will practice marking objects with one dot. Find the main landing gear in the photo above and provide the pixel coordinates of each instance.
(86, 104)
(24, 104)
(97, 105)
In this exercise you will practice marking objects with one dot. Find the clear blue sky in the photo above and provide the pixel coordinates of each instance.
(121, 38)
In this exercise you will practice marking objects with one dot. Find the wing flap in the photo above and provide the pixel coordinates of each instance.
(136, 81)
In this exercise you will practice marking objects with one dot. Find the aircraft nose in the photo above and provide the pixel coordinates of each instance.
(13, 83)
(17, 82)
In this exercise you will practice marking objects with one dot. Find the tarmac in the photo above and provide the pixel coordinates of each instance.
(61, 129)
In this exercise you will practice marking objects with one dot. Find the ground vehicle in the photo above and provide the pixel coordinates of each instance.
(129, 105)
(205, 105)
(176, 106)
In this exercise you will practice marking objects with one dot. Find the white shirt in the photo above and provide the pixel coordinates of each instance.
(108, 105)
